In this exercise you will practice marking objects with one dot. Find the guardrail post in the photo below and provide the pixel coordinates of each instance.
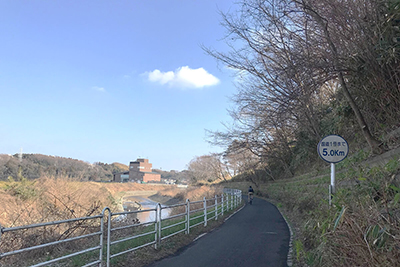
(222, 204)
(159, 219)
(1, 232)
(216, 207)
(227, 202)
(232, 200)
(101, 235)
(187, 216)
(108, 238)
(205, 211)
(156, 226)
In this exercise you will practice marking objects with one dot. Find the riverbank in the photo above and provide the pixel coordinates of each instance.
(165, 200)
(49, 199)
(137, 198)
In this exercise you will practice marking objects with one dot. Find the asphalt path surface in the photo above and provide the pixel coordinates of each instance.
(255, 236)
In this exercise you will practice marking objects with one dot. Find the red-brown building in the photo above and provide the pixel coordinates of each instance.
(139, 171)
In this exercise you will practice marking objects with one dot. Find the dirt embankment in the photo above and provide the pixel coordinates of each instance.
(170, 195)
(49, 199)
(193, 193)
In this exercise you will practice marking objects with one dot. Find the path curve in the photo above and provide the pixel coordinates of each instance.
(256, 236)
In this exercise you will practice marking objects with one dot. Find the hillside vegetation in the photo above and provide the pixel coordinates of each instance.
(307, 69)
(32, 166)
(49, 199)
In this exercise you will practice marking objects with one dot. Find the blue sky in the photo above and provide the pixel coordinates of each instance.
(112, 81)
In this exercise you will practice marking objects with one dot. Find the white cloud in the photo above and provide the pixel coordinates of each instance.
(183, 77)
(100, 89)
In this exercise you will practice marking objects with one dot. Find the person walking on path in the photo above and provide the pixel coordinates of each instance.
(250, 195)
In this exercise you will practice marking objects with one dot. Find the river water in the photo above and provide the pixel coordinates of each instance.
(134, 202)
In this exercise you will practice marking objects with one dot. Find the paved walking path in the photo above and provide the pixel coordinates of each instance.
(255, 236)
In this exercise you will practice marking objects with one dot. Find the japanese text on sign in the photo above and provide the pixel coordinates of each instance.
(333, 148)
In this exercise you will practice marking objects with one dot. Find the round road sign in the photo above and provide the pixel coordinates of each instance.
(333, 148)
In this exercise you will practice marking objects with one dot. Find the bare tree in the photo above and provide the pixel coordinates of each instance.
(278, 90)
(207, 168)
(238, 159)
(288, 52)
(315, 10)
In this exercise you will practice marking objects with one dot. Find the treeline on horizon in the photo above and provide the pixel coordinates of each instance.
(307, 69)
(33, 166)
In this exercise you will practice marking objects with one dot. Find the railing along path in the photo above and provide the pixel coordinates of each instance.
(98, 239)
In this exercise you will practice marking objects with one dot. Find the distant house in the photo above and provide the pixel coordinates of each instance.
(139, 171)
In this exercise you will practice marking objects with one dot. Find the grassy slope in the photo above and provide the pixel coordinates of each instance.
(361, 228)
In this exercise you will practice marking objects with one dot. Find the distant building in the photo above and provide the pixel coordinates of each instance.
(139, 171)
(169, 181)
(121, 177)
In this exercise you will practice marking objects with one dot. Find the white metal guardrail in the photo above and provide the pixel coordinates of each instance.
(96, 240)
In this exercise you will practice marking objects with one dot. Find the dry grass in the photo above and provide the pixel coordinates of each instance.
(47, 199)
(193, 193)
(367, 227)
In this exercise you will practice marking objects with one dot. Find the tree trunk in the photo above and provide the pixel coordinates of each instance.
(374, 144)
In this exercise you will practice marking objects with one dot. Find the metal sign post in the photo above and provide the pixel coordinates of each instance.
(333, 177)
(333, 149)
